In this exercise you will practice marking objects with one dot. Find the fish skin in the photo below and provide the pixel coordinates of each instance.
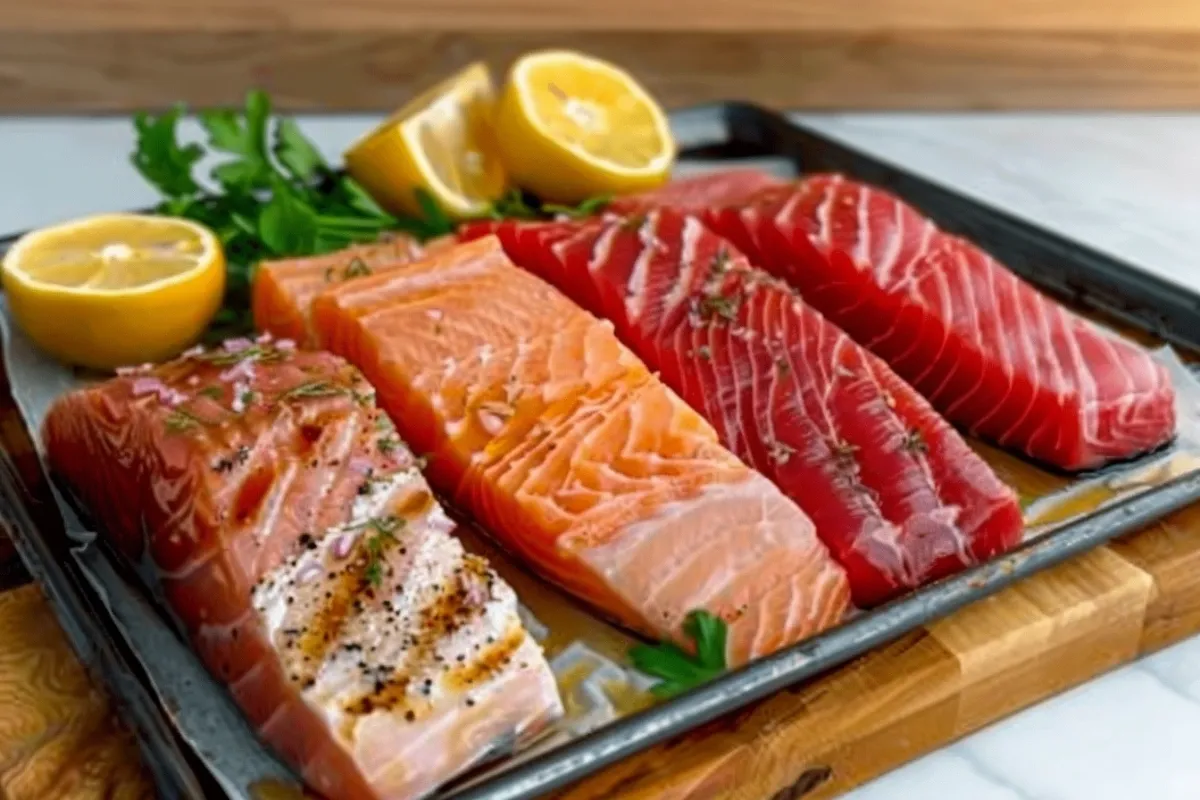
(942, 313)
(895, 493)
(260, 523)
(575, 457)
(283, 289)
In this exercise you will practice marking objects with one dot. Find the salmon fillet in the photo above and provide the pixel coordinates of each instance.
(284, 289)
(578, 459)
(304, 555)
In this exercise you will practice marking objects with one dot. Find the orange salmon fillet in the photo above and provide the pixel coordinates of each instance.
(561, 442)
(284, 289)
(292, 535)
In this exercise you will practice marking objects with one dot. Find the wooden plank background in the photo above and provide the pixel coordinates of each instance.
(117, 55)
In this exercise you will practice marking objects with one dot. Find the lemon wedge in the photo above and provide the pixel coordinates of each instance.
(571, 127)
(115, 289)
(440, 142)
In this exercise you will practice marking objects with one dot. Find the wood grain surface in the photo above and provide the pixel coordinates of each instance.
(81, 55)
(922, 692)
(59, 736)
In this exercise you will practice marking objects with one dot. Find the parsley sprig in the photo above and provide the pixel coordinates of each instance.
(272, 195)
(679, 670)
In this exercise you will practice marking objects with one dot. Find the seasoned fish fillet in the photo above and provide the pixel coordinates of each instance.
(284, 289)
(895, 493)
(557, 438)
(300, 548)
(988, 350)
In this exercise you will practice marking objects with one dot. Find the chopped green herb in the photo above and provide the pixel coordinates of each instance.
(385, 529)
(720, 262)
(180, 420)
(914, 442)
(589, 207)
(516, 204)
(215, 392)
(679, 670)
(705, 352)
(247, 397)
(313, 389)
(357, 268)
(718, 305)
(258, 352)
(388, 445)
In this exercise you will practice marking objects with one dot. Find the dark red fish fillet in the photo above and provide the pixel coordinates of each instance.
(296, 541)
(988, 350)
(894, 491)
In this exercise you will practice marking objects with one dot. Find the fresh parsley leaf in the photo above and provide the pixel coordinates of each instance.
(296, 153)
(436, 221)
(287, 225)
(160, 158)
(514, 205)
(588, 208)
(357, 198)
(679, 670)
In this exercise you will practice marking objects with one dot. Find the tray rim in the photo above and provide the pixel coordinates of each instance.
(737, 123)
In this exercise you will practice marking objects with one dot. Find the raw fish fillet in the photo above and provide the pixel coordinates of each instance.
(894, 491)
(988, 350)
(283, 290)
(297, 543)
(700, 192)
(575, 457)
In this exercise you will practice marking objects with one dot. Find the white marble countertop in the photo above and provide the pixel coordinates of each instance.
(1124, 184)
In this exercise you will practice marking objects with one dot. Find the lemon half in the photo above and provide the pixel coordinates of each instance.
(115, 289)
(571, 127)
(441, 142)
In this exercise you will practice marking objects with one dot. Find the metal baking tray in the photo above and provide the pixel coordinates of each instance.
(193, 739)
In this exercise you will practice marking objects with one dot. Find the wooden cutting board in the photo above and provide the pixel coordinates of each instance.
(1046, 634)
(59, 55)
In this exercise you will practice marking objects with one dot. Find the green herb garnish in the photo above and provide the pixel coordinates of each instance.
(589, 207)
(678, 669)
(214, 392)
(272, 195)
(180, 420)
(385, 529)
(357, 268)
(717, 305)
(516, 204)
(225, 358)
(313, 389)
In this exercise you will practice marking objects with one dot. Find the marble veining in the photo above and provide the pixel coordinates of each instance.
(1125, 184)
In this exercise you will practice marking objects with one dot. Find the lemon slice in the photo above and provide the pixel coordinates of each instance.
(571, 127)
(441, 142)
(115, 289)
